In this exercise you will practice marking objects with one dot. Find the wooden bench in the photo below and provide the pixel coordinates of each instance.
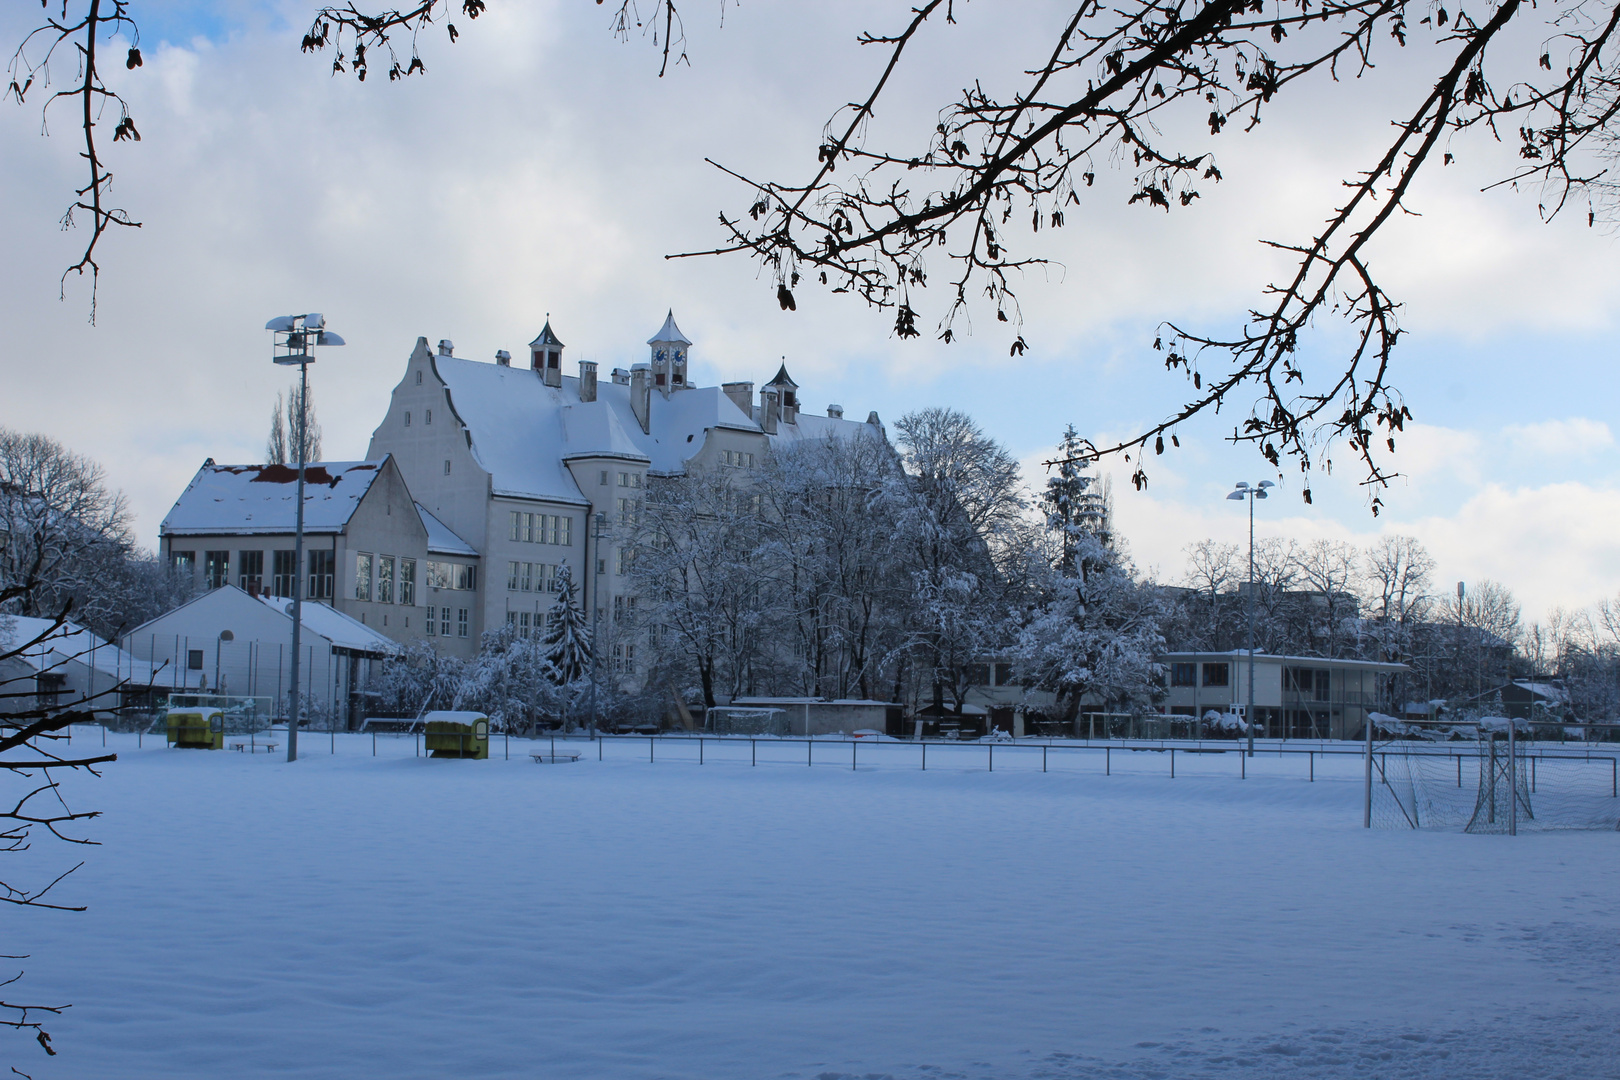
(253, 748)
(554, 759)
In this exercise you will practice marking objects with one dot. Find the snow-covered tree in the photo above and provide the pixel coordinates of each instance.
(567, 644)
(958, 508)
(1075, 505)
(1093, 630)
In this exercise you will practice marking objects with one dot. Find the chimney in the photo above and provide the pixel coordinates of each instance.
(620, 377)
(503, 358)
(587, 380)
(835, 411)
(769, 406)
(741, 395)
(640, 394)
(446, 347)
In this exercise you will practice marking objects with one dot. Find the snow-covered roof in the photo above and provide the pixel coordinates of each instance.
(263, 498)
(1274, 658)
(58, 645)
(669, 332)
(343, 631)
(441, 540)
(523, 431)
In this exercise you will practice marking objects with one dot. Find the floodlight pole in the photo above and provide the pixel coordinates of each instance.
(596, 610)
(1244, 491)
(293, 702)
(301, 332)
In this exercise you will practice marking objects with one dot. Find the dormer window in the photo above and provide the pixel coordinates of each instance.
(787, 399)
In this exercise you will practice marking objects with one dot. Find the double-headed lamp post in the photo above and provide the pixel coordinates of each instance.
(296, 335)
(1244, 491)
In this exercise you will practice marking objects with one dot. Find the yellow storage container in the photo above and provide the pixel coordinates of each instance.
(456, 735)
(196, 729)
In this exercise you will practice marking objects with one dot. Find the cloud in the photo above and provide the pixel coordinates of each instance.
(1554, 439)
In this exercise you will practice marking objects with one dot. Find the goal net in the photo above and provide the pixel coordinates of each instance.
(738, 720)
(1485, 777)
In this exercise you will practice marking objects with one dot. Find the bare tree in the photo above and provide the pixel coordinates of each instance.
(30, 729)
(82, 31)
(1329, 570)
(1397, 582)
(281, 447)
(66, 528)
(1103, 84)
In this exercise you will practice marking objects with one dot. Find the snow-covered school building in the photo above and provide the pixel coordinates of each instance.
(482, 480)
(1295, 697)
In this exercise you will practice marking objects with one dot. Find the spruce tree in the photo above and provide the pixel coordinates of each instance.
(568, 635)
(1075, 505)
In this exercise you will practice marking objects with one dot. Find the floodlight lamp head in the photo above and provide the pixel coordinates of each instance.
(282, 323)
(1238, 495)
(326, 337)
(314, 320)
(1267, 483)
(1242, 484)
(1260, 493)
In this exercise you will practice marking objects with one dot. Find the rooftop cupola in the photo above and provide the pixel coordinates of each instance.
(669, 348)
(787, 393)
(545, 354)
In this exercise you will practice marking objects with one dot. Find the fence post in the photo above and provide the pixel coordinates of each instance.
(1243, 765)
(700, 749)
(649, 749)
(925, 755)
(598, 738)
(1108, 761)
(1313, 766)
(992, 747)
(809, 749)
(1043, 759)
(1172, 763)
(853, 744)
(753, 751)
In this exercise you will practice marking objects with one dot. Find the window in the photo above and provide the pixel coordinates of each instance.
(629, 511)
(1183, 674)
(1299, 680)
(322, 566)
(286, 574)
(427, 417)
(185, 562)
(540, 528)
(624, 658)
(627, 559)
(385, 580)
(407, 582)
(362, 575)
(216, 569)
(604, 478)
(443, 575)
(444, 622)
(48, 686)
(461, 622)
(1004, 674)
(737, 459)
(515, 525)
(432, 621)
(624, 609)
(1322, 684)
(447, 466)
(250, 570)
(1216, 675)
(407, 418)
(194, 659)
(977, 674)
(418, 378)
(629, 480)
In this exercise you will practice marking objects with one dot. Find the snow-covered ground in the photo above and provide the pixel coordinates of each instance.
(396, 917)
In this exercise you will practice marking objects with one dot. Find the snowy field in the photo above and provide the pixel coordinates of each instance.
(397, 917)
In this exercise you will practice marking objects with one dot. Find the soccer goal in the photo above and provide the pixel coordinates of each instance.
(741, 720)
(1486, 776)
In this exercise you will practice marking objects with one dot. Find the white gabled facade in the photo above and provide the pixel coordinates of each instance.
(518, 460)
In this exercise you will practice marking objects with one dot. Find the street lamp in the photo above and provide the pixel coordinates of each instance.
(295, 336)
(1244, 491)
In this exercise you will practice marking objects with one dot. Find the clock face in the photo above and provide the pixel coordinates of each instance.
(659, 356)
(679, 356)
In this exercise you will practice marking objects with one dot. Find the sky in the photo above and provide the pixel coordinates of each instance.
(542, 168)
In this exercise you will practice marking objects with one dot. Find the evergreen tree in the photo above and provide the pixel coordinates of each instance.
(568, 638)
(1076, 507)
